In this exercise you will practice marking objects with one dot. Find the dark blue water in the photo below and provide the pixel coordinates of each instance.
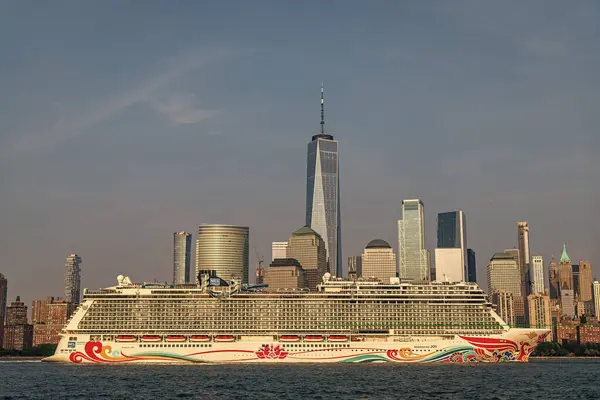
(541, 379)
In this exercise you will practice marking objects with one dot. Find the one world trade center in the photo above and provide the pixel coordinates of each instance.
(323, 193)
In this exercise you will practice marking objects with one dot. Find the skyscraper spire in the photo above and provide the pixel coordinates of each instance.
(564, 258)
(322, 111)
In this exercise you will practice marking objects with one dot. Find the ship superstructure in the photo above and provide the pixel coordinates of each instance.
(344, 321)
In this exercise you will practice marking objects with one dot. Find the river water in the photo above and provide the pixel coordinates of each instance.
(538, 379)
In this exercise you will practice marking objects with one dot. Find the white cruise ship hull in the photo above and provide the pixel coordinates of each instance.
(515, 345)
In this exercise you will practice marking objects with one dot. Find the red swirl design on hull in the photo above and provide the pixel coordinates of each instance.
(272, 352)
(91, 349)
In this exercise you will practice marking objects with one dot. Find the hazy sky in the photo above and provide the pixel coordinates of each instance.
(122, 122)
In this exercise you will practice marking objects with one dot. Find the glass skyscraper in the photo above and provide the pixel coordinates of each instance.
(451, 230)
(451, 261)
(471, 266)
(182, 254)
(323, 194)
(414, 258)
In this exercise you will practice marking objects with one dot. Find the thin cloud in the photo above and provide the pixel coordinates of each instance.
(181, 109)
(76, 124)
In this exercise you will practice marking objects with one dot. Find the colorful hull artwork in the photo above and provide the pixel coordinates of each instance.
(514, 346)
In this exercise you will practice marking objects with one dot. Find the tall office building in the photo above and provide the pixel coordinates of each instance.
(451, 262)
(504, 276)
(596, 292)
(537, 275)
(524, 254)
(18, 334)
(566, 285)
(565, 272)
(539, 311)
(567, 303)
(278, 250)
(575, 272)
(73, 279)
(414, 258)
(308, 247)
(524, 264)
(379, 261)
(3, 294)
(585, 281)
(471, 266)
(553, 279)
(354, 267)
(323, 193)
(182, 258)
(223, 249)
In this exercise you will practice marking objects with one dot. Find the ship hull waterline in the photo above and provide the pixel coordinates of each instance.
(515, 345)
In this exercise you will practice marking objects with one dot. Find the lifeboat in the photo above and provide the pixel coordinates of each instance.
(126, 338)
(199, 338)
(337, 338)
(151, 338)
(175, 338)
(313, 338)
(289, 338)
(224, 338)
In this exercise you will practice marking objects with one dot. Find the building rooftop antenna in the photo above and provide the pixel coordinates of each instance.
(322, 110)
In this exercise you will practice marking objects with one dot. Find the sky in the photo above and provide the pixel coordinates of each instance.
(123, 122)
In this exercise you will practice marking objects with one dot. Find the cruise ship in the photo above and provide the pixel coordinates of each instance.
(342, 321)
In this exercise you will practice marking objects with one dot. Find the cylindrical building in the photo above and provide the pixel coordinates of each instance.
(224, 249)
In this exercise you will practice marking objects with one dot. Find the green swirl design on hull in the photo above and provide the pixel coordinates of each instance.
(168, 355)
(365, 358)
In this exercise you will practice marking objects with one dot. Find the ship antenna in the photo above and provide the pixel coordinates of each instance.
(322, 111)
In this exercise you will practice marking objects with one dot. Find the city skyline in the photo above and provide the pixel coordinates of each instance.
(174, 136)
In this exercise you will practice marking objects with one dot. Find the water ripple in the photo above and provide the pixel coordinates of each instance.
(540, 379)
